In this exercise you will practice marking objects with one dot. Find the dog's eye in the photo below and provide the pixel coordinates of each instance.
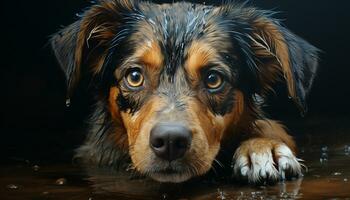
(134, 77)
(213, 80)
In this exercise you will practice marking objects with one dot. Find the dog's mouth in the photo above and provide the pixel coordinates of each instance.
(168, 171)
(171, 174)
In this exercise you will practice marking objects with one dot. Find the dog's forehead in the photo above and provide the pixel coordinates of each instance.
(176, 24)
(177, 27)
(177, 13)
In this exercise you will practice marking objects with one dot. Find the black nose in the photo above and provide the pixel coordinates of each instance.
(170, 141)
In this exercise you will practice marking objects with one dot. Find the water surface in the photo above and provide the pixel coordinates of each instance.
(325, 146)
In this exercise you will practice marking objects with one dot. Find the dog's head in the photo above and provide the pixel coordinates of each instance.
(177, 78)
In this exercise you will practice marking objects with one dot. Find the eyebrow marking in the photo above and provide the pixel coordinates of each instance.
(150, 54)
(201, 55)
(198, 55)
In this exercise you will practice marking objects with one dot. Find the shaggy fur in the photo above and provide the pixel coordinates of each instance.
(175, 47)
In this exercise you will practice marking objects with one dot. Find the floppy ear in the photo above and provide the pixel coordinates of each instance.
(83, 46)
(271, 52)
(276, 49)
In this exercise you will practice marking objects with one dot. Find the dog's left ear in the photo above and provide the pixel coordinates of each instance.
(271, 51)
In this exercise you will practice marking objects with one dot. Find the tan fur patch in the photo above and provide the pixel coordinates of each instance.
(213, 126)
(198, 56)
(151, 55)
(119, 136)
(274, 130)
(113, 107)
(203, 118)
(139, 127)
(134, 124)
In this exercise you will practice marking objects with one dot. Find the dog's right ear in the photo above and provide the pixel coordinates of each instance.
(83, 45)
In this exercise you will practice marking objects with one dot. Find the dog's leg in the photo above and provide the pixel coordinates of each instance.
(267, 156)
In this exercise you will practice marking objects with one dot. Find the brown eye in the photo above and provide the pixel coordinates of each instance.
(213, 80)
(134, 78)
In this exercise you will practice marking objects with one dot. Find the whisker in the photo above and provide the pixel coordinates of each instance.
(219, 163)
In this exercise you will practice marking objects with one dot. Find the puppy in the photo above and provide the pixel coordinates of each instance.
(178, 85)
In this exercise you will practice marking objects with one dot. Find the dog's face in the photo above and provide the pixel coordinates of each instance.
(176, 91)
(178, 77)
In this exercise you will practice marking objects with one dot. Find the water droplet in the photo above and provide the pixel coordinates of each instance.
(45, 193)
(12, 187)
(36, 168)
(347, 150)
(68, 103)
(241, 195)
(151, 21)
(336, 173)
(61, 181)
(324, 154)
(345, 180)
(221, 195)
(253, 195)
(324, 158)
(284, 195)
(324, 149)
(165, 196)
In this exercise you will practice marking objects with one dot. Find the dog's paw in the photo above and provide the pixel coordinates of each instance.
(263, 159)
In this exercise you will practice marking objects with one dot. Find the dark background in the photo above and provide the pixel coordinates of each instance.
(36, 124)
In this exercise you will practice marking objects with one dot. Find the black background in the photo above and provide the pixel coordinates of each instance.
(35, 122)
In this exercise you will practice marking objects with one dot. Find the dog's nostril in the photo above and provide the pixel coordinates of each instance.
(170, 141)
(157, 143)
(181, 143)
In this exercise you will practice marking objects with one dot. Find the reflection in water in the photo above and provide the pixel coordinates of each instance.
(61, 181)
(347, 150)
(12, 187)
(324, 155)
(120, 184)
(294, 188)
(327, 177)
(319, 182)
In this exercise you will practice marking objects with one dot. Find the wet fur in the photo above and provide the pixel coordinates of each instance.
(176, 44)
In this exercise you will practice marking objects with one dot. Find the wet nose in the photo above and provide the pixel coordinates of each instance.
(170, 141)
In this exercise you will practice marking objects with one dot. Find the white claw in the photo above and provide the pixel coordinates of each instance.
(244, 170)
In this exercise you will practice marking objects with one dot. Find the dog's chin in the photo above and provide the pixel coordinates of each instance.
(175, 172)
(173, 177)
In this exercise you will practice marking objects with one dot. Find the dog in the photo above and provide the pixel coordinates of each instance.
(179, 85)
